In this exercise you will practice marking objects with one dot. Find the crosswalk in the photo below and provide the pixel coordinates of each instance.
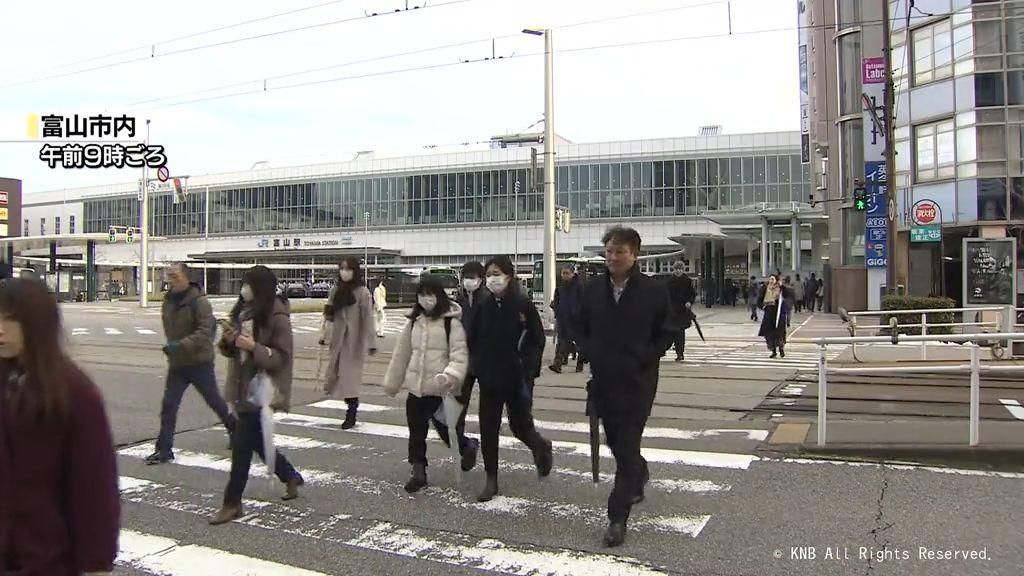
(353, 501)
(747, 354)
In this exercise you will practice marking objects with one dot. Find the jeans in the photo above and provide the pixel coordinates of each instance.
(248, 439)
(204, 379)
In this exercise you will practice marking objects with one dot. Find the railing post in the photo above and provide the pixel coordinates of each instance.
(924, 332)
(975, 393)
(822, 394)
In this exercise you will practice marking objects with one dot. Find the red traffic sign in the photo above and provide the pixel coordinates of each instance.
(926, 213)
(163, 174)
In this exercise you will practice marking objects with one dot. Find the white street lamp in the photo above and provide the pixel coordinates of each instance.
(366, 248)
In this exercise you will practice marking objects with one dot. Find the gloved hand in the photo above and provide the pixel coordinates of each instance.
(172, 347)
(373, 351)
(321, 342)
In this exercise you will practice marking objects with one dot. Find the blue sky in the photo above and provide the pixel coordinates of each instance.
(746, 82)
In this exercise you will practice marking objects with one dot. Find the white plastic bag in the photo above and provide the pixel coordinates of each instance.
(261, 393)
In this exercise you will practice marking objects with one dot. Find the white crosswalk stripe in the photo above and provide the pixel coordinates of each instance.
(683, 489)
(114, 331)
(745, 354)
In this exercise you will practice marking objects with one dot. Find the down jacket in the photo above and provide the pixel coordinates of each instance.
(423, 352)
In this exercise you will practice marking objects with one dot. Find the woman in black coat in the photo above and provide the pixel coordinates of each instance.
(773, 324)
(505, 348)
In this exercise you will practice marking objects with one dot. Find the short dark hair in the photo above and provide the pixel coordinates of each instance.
(622, 235)
(473, 268)
(503, 263)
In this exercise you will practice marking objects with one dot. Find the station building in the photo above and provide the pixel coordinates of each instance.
(714, 200)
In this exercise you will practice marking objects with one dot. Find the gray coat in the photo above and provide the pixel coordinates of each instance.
(352, 334)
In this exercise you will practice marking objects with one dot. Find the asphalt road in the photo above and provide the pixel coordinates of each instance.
(713, 506)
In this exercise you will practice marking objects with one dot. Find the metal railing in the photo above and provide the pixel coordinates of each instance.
(974, 367)
(1006, 321)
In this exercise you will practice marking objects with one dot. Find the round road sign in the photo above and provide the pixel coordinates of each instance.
(926, 213)
(163, 174)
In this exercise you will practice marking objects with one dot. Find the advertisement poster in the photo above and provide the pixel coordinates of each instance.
(990, 271)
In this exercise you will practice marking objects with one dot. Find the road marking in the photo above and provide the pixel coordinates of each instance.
(171, 558)
(112, 331)
(906, 467)
(1014, 407)
(340, 405)
(145, 331)
(671, 433)
(665, 456)
(79, 331)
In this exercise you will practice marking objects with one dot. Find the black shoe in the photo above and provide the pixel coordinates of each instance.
(490, 490)
(350, 416)
(679, 359)
(418, 480)
(469, 454)
(159, 457)
(773, 354)
(639, 496)
(782, 353)
(615, 535)
(555, 368)
(544, 459)
(579, 365)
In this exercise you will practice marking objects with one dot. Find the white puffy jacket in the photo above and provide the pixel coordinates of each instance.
(422, 352)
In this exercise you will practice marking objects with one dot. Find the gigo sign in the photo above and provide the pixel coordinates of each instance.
(926, 213)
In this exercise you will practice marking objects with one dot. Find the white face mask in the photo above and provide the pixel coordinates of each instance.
(246, 293)
(346, 275)
(427, 302)
(497, 283)
(471, 284)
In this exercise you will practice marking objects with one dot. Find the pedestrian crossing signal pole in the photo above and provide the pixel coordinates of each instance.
(144, 248)
(890, 150)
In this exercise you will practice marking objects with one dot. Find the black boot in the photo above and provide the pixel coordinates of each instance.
(782, 352)
(469, 454)
(544, 458)
(419, 478)
(490, 489)
(350, 414)
(615, 535)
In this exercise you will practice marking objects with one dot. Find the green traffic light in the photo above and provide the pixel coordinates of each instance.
(861, 205)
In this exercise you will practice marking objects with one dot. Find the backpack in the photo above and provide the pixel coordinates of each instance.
(213, 319)
(448, 329)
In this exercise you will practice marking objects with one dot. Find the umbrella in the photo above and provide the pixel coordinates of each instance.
(451, 411)
(595, 436)
(263, 394)
(693, 318)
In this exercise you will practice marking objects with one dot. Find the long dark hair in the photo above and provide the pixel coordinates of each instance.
(263, 283)
(431, 284)
(45, 397)
(344, 293)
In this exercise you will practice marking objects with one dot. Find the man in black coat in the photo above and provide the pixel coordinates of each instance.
(681, 297)
(625, 328)
(566, 305)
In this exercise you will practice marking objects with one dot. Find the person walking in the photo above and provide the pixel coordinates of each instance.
(430, 361)
(506, 346)
(798, 294)
(566, 305)
(471, 294)
(60, 507)
(349, 313)
(773, 324)
(190, 330)
(681, 298)
(258, 343)
(753, 291)
(626, 327)
(380, 303)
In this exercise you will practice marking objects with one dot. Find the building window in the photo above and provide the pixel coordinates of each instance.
(932, 54)
(42, 226)
(71, 224)
(935, 151)
(850, 74)
(25, 231)
(56, 225)
(849, 13)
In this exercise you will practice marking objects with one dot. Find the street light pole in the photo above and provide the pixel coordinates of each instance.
(144, 247)
(890, 152)
(366, 247)
(549, 162)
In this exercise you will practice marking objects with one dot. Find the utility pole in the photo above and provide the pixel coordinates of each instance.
(549, 170)
(144, 247)
(889, 107)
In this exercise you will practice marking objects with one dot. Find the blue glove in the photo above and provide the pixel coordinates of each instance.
(172, 347)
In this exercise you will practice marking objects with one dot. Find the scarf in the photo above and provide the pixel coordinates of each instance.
(245, 320)
(771, 294)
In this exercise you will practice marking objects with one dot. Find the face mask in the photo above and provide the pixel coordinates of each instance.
(497, 283)
(471, 284)
(246, 293)
(346, 275)
(677, 272)
(427, 302)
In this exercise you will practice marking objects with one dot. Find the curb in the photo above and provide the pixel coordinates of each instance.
(987, 458)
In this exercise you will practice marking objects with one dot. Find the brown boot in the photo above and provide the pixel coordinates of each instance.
(226, 514)
(291, 491)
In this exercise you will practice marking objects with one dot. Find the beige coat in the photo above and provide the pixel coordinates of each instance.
(423, 351)
(352, 335)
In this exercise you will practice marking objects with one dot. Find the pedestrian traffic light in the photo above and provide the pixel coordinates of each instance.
(113, 235)
(130, 235)
(860, 197)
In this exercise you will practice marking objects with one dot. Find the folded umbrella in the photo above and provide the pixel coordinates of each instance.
(595, 436)
(452, 409)
(693, 318)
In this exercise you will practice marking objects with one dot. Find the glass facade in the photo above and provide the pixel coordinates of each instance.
(593, 190)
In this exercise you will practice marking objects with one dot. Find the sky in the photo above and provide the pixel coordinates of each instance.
(614, 79)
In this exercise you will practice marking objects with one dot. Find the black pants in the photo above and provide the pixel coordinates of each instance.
(201, 376)
(624, 431)
(419, 412)
(680, 343)
(248, 438)
(460, 427)
(519, 402)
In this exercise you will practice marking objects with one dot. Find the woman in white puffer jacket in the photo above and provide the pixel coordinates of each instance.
(430, 360)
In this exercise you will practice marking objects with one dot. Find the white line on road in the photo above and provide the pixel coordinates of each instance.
(112, 331)
(171, 558)
(145, 331)
(340, 405)
(660, 455)
(671, 433)
(1014, 407)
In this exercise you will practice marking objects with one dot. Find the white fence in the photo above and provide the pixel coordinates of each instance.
(1006, 322)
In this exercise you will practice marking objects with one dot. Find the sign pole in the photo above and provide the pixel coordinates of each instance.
(144, 245)
(890, 151)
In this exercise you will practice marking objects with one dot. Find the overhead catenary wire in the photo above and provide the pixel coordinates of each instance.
(229, 42)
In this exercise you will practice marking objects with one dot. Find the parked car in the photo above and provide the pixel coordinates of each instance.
(296, 290)
(320, 290)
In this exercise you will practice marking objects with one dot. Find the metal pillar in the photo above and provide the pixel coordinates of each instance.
(144, 272)
(10, 260)
(90, 271)
(766, 236)
(795, 227)
(53, 267)
(720, 271)
(549, 169)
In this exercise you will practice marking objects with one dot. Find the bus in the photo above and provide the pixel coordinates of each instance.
(588, 266)
(449, 279)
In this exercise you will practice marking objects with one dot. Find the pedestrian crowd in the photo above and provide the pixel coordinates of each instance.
(59, 498)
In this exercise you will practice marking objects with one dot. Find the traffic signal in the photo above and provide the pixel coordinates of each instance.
(860, 198)
(113, 235)
(130, 235)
